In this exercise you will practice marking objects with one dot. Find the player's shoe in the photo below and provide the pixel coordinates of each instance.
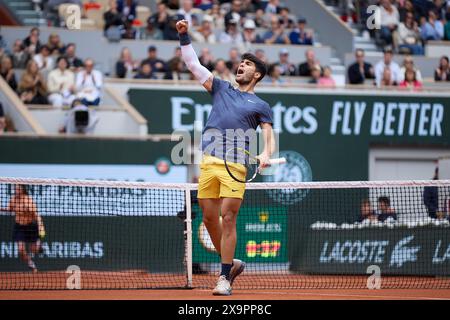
(236, 269)
(32, 266)
(223, 287)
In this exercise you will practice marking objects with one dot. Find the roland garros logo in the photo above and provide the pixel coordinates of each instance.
(296, 169)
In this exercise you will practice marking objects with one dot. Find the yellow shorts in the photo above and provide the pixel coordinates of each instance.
(215, 182)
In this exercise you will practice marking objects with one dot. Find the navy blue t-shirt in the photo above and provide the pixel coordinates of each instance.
(232, 110)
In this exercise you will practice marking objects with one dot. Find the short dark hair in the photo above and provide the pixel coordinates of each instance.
(62, 58)
(24, 188)
(385, 200)
(259, 64)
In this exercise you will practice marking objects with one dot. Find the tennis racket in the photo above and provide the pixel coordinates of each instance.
(249, 161)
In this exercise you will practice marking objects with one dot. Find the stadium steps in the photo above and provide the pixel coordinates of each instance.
(362, 38)
(24, 10)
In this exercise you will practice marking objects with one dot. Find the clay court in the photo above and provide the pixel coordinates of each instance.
(281, 287)
(202, 294)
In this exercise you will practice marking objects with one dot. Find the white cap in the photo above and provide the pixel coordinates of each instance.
(249, 24)
(208, 18)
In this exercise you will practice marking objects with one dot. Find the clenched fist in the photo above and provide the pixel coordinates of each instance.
(182, 26)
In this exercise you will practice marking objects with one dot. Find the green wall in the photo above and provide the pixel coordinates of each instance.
(332, 131)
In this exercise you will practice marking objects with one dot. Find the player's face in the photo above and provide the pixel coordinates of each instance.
(245, 72)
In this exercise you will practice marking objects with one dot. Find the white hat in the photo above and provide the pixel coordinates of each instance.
(208, 18)
(249, 24)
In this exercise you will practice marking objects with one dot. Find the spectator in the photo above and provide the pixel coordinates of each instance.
(176, 67)
(31, 43)
(431, 29)
(55, 45)
(145, 72)
(236, 13)
(113, 20)
(7, 72)
(75, 63)
(273, 7)
(408, 64)
(326, 80)
(261, 55)
(285, 19)
(157, 64)
(32, 87)
(385, 210)
(276, 34)
(389, 19)
(186, 12)
(367, 213)
(260, 19)
(80, 119)
(431, 197)
(61, 84)
(410, 80)
(360, 70)
(129, 32)
(177, 55)
(249, 34)
(300, 36)
(408, 7)
(151, 31)
(222, 72)
(250, 6)
(89, 83)
(316, 73)
(409, 36)
(218, 17)
(439, 8)
(234, 59)
(43, 59)
(127, 8)
(442, 73)
(203, 4)
(125, 66)
(286, 68)
(387, 63)
(304, 69)
(231, 34)
(170, 31)
(387, 79)
(204, 33)
(171, 4)
(274, 75)
(206, 59)
(161, 17)
(20, 56)
(447, 25)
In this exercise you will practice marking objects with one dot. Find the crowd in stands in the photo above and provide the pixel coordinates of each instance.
(388, 73)
(239, 22)
(405, 25)
(51, 73)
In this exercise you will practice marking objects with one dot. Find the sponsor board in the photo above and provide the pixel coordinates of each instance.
(401, 251)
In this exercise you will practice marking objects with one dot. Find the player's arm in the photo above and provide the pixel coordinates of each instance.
(269, 144)
(203, 75)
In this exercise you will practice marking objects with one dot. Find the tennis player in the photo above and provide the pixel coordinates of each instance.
(233, 109)
(28, 227)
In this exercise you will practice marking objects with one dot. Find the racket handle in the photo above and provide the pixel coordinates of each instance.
(277, 161)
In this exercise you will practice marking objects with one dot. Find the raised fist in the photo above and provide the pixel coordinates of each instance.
(182, 26)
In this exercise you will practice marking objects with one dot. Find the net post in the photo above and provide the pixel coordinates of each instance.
(188, 236)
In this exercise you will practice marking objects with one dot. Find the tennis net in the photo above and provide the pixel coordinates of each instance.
(123, 235)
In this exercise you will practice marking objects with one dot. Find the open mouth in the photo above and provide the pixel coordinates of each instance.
(240, 71)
